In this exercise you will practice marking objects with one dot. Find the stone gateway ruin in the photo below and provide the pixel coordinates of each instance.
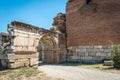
(27, 45)
(84, 34)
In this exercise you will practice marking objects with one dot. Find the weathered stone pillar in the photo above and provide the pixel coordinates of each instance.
(10, 50)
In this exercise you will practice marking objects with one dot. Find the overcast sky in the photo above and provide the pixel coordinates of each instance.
(36, 12)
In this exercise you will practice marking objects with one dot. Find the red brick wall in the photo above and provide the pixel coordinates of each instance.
(97, 23)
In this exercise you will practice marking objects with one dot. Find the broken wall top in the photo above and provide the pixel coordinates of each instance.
(23, 26)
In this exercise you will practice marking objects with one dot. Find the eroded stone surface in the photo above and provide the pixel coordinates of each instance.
(90, 54)
(27, 44)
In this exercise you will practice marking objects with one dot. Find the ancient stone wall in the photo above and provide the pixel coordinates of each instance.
(25, 43)
(27, 38)
(62, 46)
(31, 44)
(89, 54)
(3, 45)
(93, 22)
(59, 26)
(91, 25)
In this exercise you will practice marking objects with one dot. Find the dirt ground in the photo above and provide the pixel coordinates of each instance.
(99, 67)
(77, 73)
(32, 73)
(24, 74)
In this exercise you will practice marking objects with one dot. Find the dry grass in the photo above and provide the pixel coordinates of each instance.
(24, 74)
(101, 67)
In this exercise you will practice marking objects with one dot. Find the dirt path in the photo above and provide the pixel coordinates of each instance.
(74, 73)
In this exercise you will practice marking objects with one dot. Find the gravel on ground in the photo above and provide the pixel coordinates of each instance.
(75, 73)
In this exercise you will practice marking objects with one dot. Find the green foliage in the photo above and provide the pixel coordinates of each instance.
(116, 56)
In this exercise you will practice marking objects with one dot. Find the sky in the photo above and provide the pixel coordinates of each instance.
(36, 12)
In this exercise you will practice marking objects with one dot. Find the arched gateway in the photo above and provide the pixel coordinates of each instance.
(48, 50)
(29, 44)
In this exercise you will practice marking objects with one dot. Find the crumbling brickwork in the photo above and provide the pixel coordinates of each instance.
(92, 26)
(93, 22)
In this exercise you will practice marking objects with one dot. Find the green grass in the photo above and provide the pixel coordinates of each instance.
(25, 73)
(5, 72)
(77, 64)
(29, 71)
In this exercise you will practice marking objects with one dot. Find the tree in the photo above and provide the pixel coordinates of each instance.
(116, 56)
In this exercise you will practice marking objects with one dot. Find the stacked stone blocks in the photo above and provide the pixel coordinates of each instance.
(90, 54)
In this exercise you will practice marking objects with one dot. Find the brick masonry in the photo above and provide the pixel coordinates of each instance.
(96, 23)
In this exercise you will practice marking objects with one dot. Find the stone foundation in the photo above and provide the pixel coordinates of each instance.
(89, 54)
(63, 56)
(23, 60)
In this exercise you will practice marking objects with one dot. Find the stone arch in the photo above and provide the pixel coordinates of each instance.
(48, 50)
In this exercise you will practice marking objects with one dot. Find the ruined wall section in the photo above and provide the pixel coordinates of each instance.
(93, 23)
(89, 54)
(3, 45)
(27, 37)
(92, 27)
(59, 26)
(62, 47)
(25, 43)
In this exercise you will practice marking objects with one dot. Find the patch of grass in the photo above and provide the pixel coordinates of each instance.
(78, 64)
(71, 63)
(5, 72)
(87, 65)
(24, 73)
(28, 72)
(17, 74)
(97, 66)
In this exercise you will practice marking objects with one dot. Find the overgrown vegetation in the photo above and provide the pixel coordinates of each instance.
(116, 56)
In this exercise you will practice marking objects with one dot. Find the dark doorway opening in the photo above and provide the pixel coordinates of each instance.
(88, 1)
